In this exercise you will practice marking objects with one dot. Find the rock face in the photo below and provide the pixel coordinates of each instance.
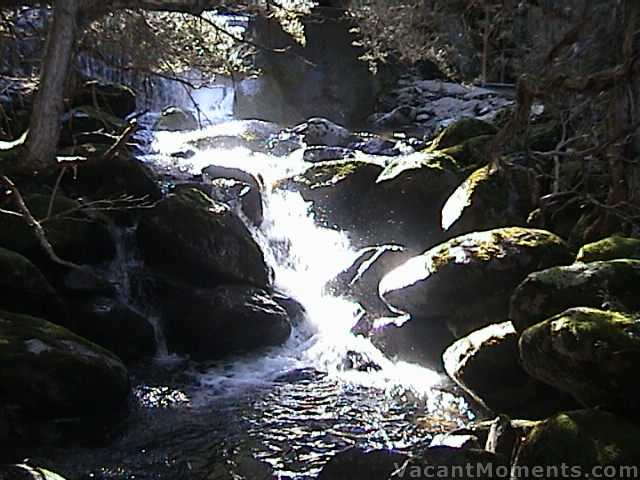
(609, 249)
(611, 285)
(201, 242)
(357, 464)
(73, 234)
(488, 199)
(582, 438)
(50, 372)
(486, 365)
(224, 321)
(591, 354)
(468, 280)
(24, 289)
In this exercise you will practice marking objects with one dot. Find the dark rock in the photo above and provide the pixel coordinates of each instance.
(462, 130)
(228, 320)
(471, 153)
(200, 241)
(27, 472)
(474, 361)
(610, 248)
(611, 285)
(451, 462)
(476, 272)
(358, 464)
(87, 119)
(175, 119)
(397, 117)
(589, 353)
(360, 362)
(300, 375)
(50, 372)
(24, 289)
(239, 196)
(577, 442)
(319, 131)
(112, 98)
(319, 153)
(74, 235)
(294, 309)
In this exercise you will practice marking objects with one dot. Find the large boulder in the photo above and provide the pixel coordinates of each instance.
(609, 249)
(357, 464)
(24, 289)
(89, 123)
(175, 119)
(610, 285)
(578, 441)
(462, 130)
(591, 354)
(74, 234)
(452, 462)
(231, 319)
(486, 364)
(200, 241)
(468, 280)
(49, 372)
(115, 99)
(489, 199)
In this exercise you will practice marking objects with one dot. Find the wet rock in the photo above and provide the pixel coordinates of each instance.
(239, 196)
(358, 464)
(455, 441)
(397, 117)
(113, 98)
(374, 145)
(359, 362)
(50, 372)
(473, 362)
(580, 439)
(452, 462)
(294, 309)
(27, 472)
(224, 321)
(87, 119)
(461, 131)
(323, 132)
(200, 241)
(176, 119)
(476, 272)
(74, 235)
(471, 153)
(254, 135)
(489, 199)
(113, 325)
(24, 289)
(609, 285)
(322, 154)
(300, 375)
(360, 280)
(588, 353)
(610, 248)
(213, 172)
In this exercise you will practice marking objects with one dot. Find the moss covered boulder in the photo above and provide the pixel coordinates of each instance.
(74, 234)
(462, 130)
(489, 199)
(611, 285)
(49, 372)
(27, 472)
(24, 289)
(592, 354)
(471, 153)
(200, 241)
(175, 119)
(609, 249)
(468, 280)
(486, 365)
(581, 439)
(230, 319)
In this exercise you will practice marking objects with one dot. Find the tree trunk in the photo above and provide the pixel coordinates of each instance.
(45, 123)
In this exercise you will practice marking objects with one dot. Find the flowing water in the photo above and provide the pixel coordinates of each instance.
(291, 407)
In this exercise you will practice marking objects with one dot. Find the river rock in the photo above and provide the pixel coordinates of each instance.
(610, 248)
(239, 196)
(357, 464)
(318, 131)
(489, 199)
(462, 130)
(581, 439)
(472, 362)
(610, 285)
(74, 235)
(24, 289)
(176, 119)
(319, 153)
(50, 372)
(228, 320)
(589, 353)
(113, 98)
(87, 119)
(476, 273)
(452, 462)
(200, 241)
(472, 153)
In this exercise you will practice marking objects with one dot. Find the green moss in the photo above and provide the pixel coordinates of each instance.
(436, 162)
(609, 249)
(471, 152)
(324, 174)
(461, 131)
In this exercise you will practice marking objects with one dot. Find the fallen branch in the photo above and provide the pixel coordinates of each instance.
(121, 140)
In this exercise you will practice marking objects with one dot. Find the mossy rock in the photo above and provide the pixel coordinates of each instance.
(592, 354)
(24, 289)
(609, 249)
(27, 472)
(200, 241)
(461, 131)
(612, 285)
(581, 439)
(73, 234)
(471, 153)
(49, 372)
(489, 199)
(476, 273)
(473, 362)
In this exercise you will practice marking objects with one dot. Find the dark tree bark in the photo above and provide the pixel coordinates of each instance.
(45, 124)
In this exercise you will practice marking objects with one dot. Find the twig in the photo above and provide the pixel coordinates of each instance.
(122, 139)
